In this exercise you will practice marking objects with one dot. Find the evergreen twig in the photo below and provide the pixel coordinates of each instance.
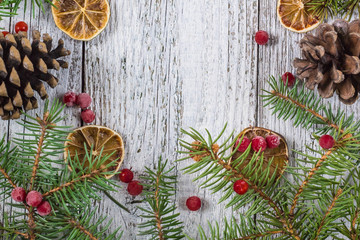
(162, 220)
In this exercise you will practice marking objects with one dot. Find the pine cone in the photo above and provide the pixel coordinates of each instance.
(24, 68)
(331, 60)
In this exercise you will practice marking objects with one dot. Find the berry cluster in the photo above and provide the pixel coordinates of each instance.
(134, 188)
(258, 143)
(83, 100)
(33, 199)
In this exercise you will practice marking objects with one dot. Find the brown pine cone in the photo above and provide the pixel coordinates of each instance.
(331, 60)
(24, 68)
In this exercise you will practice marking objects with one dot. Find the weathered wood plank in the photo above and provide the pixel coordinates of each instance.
(175, 64)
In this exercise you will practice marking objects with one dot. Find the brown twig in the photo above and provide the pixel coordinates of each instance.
(24, 235)
(7, 177)
(157, 212)
(77, 225)
(258, 235)
(336, 197)
(44, 126)
(306, 181)
(72, 182)
(353, 224)
(306, 109)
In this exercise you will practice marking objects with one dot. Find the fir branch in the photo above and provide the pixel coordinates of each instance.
(71, 183)
(44, 126)
(159, 188)
(336, 197)
(77, 225)
(306, 181)
(227, 168)
(352, 229)
(260, 235)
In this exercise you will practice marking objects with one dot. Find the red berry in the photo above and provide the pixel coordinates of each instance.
(193, 203)
(5, 33)
(261, 37)
(33, 198)
(44, 208)
(289, 78)
(273, 141)
(258, 144)
(18, 194)
(241, 187)
(83, 100)
(244, 144)
(88, 116)
(21, 27)
(327, 142)
(134, 188)
(126, 175)
(70, 99)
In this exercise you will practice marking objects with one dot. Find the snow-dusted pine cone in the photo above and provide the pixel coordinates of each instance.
(24, 68)
(331, 60)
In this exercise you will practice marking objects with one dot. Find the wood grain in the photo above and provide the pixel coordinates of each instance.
(163, 65)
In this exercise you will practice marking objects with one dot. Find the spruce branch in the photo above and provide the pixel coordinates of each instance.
(44, 126)
(37, 164)
(221, 171)
(162, 220)
(261, 235)
(328, 211)
(306, 181)
(82, 229)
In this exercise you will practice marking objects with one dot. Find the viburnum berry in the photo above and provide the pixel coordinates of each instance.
(326, 142)
(84, 100)
(21, 27)
(134, 188)
(289, 78)
(258, 144)
(18, 194)
(88, 116)
(44, 208)
(33, 198)
(193, 203)
(70, 99)
(241, 187)
(126, 175)
(5, 33)
(261, 37)
(244, 144)
(272, 141)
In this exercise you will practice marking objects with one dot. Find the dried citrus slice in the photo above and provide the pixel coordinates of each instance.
(296, 15)
(280, 154)
(100, 139)
(81, 19)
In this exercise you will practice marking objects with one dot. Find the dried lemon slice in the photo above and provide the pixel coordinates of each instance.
(100, 139)
(81, 19)
(280, 154)
(296, 15)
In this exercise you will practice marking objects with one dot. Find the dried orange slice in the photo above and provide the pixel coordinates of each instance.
(280, 154)
(81, 19)
(102, 141)
(297, 16)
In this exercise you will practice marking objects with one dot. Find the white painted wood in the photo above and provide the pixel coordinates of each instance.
(163, 65)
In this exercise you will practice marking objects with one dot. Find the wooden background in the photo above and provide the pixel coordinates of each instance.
(163, 65)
